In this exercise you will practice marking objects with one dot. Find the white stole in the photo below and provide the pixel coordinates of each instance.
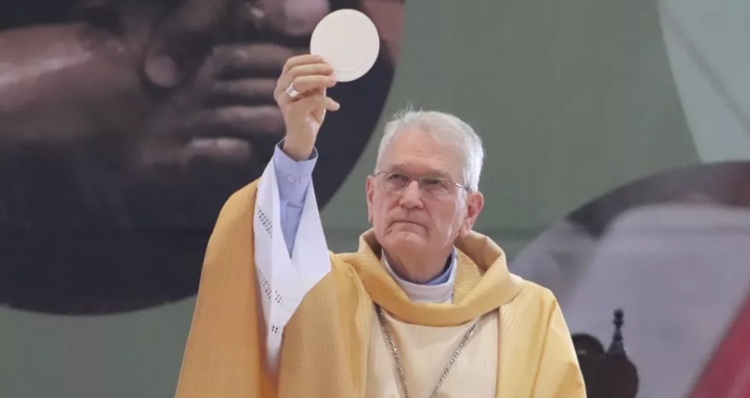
(283, 280)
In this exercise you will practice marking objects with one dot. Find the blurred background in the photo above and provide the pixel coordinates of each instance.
(617, 171)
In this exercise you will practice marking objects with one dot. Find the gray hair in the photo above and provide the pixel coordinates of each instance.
(446, 128)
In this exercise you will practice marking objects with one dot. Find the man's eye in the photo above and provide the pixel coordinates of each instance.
(398, 177)
(434, 182)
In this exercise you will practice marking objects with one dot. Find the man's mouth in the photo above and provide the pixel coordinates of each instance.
(406, 222)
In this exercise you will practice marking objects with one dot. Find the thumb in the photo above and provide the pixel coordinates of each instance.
(182, 39)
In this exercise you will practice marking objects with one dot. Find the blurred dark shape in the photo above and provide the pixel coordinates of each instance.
(608, 374)
(726, 183)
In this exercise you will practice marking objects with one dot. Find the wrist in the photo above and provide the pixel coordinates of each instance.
(296, 151)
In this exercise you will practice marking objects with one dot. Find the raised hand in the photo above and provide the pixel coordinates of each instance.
(301, 96)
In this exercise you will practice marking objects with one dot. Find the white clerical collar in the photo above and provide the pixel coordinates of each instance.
(418, 293)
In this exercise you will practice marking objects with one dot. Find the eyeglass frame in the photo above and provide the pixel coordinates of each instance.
(419, 181)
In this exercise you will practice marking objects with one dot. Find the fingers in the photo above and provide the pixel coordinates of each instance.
(235, 61)
(306, 84)
(306, 78)
(303, 65)
(242, 92)
(305, 106)
(300, 60)
(246, 122)
(182, 39)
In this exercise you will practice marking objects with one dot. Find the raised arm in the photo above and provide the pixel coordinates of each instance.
(295, 157)
(290, 263)
(266, 252)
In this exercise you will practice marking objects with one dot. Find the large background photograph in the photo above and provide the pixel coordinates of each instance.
(125, 125)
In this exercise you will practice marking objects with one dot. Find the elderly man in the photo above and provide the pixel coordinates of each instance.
(424, 308)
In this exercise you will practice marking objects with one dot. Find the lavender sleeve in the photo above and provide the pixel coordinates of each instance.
(294, 180)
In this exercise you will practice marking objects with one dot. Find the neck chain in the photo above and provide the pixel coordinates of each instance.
(397, 358)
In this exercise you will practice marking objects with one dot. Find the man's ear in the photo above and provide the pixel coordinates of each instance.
(369, 192)
(474, 205)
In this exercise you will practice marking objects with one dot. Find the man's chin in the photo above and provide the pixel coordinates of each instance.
(403, 238)
(404, 226)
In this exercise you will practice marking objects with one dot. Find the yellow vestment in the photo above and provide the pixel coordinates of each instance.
(325, 344)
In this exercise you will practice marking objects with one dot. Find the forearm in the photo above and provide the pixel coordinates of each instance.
(294, 179)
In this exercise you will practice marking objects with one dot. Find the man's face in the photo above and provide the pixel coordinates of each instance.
(407, 218)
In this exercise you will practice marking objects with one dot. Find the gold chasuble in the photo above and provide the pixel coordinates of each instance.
(326, 343)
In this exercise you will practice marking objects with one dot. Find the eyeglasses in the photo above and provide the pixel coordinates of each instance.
(436, 187)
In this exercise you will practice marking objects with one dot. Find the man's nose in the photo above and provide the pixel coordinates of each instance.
(294, 18)
(411, 196)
